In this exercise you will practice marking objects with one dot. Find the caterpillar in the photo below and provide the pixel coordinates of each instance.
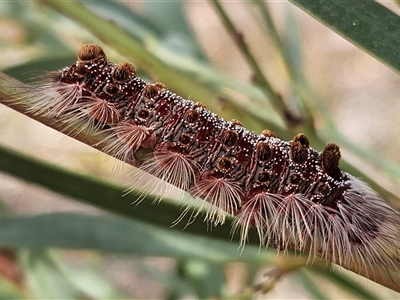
(295, 197)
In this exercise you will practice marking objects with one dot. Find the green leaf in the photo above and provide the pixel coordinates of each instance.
(119, 235)
(367, 24)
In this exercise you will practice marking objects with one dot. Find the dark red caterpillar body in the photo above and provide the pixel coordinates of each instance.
(293, 195)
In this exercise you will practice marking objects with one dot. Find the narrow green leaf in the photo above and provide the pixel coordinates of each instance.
(120, 235)
(367, 24)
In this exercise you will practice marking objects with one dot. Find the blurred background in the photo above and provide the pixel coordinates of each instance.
(360, 95)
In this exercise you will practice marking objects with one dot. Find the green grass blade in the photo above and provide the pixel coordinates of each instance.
(367, 24)
(119, 235)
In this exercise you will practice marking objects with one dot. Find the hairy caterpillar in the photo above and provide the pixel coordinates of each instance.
(295, 197)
